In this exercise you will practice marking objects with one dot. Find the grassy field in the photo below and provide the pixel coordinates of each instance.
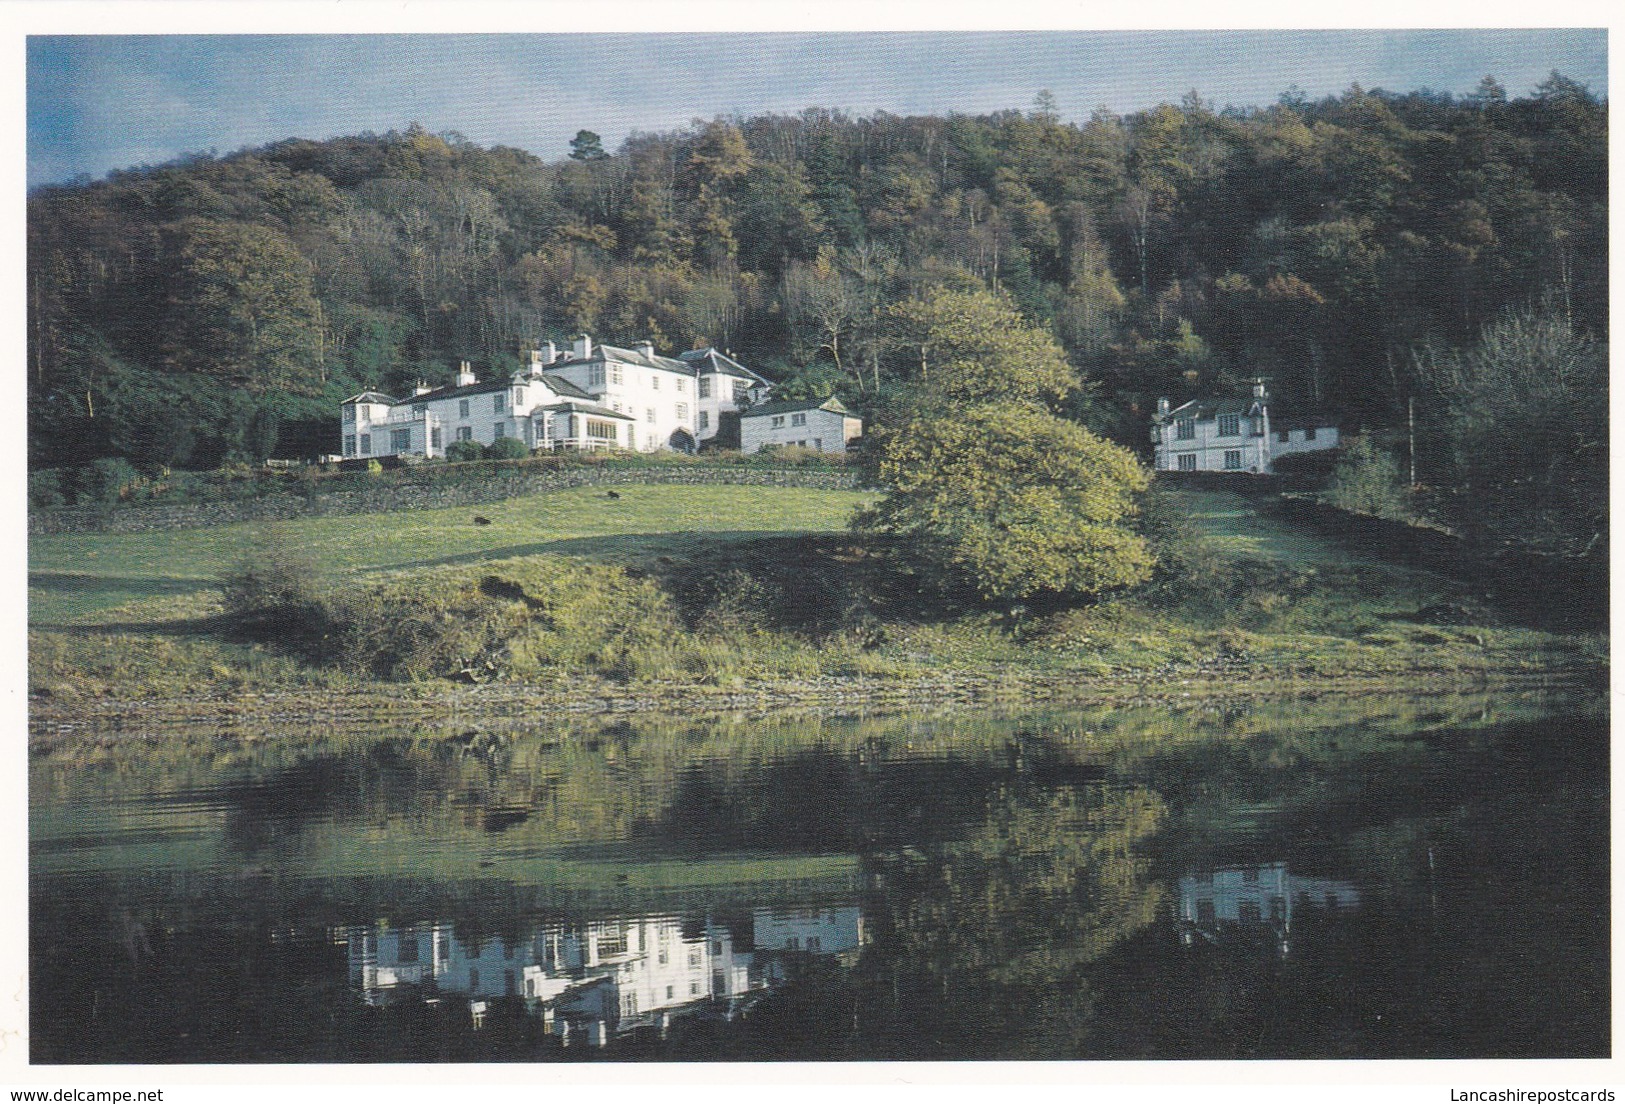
(675, 590)
(97, 578)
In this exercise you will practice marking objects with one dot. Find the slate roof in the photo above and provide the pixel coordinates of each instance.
(790, 406)
(586, 408)
(369, 397)
(709, 360)
(487, 388)
(1206, 409)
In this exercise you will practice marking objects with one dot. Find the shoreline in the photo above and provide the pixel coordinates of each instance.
(259, 714)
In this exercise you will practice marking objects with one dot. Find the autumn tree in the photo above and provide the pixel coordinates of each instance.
(986, 489)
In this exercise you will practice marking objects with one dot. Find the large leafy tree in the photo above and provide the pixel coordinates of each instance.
(986, 488)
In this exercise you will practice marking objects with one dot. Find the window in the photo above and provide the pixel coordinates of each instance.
(741, 392)
(716, 946)
(499, 430)
(682, 387)
(798, 419)
(1229, 425)
(400, 440)
(671, 992)
(615, 374)
(496, 402)
(778, 421)
(1308, 433)
(815, 943)
(349, 413)
(649, 414)
(465, 433)
(434, 437)
(682, 412)
(1185, 429)
(654, 383)
(693, 988)
(409, 946)
(595, 375)
(473, 980)
(1283, 435)
(663, 958)
(600, 430)
(818, 444)
(349, 444)
(705, 419)
(420, 408)
(1232, 459)
(1249, 912)
(1187, 461)
(462, 408)
(694, 958)
(366, 444)
(705, 387)
(1204, 912)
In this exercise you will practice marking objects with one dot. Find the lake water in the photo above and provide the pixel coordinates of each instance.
(1333, 878)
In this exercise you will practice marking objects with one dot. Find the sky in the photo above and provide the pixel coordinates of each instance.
(101, 102)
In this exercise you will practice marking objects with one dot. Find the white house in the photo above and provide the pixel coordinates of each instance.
(1234, 435)
(585, 397)
(823, 425)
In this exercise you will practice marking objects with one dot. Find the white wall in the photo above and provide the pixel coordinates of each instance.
(824, 430)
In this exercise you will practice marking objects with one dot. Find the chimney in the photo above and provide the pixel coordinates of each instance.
(1258, 388)
(465, 375)
(547, 354)
(1162, 408)
(422, 388)
(647, 348)
(582, 348)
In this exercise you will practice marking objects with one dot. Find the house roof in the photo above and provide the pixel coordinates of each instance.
(709, 360)
(1206, 409)
(487, 388)
(602, 353)
(368, 397)
(789, 406)
(585, 408)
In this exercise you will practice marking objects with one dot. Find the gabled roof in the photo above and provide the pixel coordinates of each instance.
(489, 387)
(708, 360)
(1206, 409)
(602, 353)
(563, 387)
(790, 406)
(368, 397)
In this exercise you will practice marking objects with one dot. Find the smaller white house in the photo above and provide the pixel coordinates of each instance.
(823, 425)
(1233, 434)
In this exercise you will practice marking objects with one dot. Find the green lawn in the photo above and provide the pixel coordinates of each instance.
(1237, 526)
(88, 578)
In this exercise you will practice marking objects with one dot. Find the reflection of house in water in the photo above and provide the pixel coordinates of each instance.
(1254, 900)
(603, 978)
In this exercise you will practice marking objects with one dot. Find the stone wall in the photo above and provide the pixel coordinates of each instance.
(393, 494)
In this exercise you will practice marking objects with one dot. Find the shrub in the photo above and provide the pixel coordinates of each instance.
(507, 448)
(275, 596)
(107, 479)
(1367, 480)
(463, 452)
(45, 489)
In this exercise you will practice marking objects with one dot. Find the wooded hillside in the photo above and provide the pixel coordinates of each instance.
(202, 310)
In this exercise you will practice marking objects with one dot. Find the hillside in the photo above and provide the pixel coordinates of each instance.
(218, 307)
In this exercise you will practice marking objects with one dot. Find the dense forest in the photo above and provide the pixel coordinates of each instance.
(1354, 249)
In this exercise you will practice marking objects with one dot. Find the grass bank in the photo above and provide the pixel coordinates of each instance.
(719, 597)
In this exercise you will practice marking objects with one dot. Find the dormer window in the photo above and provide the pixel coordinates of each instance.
(1229, 425)
(1185, 429)
(595, 375)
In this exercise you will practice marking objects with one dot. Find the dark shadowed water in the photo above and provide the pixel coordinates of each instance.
(1336, 878)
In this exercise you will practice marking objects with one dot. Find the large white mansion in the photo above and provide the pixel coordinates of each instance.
(584, 397)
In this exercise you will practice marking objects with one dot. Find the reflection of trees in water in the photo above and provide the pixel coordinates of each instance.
(978, 946)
